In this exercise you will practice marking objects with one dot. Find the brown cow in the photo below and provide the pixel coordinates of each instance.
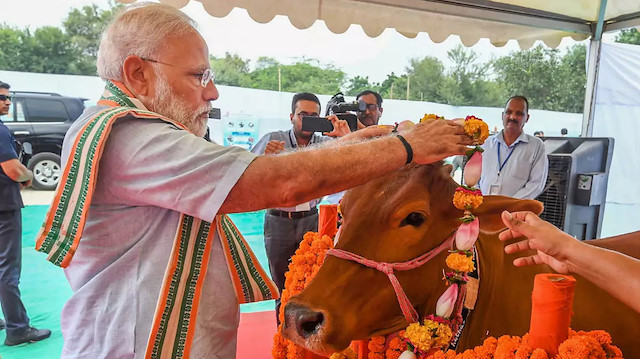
(406, 214)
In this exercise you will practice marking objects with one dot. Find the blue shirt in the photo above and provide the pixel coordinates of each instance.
(524, 167)
(290, 143)
(10, 198)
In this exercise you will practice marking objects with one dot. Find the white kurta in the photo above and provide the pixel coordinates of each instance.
(150, 172)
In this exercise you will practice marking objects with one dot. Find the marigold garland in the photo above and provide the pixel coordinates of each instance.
(427, 340)
(461, 261)
(466, 199)
(305, 263)
(476, 128)
(579, 345)
(431, 116)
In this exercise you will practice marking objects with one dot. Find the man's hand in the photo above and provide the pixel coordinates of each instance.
(434, 140)
(368, 132)
(340, 127)
(274, 147)
(25, 184)
(552, 245)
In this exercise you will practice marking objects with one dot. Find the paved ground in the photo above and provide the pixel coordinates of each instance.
(32, 197)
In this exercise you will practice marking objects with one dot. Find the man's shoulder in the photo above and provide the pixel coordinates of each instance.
(4, 130)
(534, 141)
(278, 133)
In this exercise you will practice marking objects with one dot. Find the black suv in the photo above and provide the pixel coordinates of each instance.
(42, 119)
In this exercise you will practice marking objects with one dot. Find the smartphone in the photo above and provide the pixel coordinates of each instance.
(321, 124)
(316, 124)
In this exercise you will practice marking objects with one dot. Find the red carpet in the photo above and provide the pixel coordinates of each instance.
(255, 335)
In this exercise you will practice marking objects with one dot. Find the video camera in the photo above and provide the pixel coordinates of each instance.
(339, 107)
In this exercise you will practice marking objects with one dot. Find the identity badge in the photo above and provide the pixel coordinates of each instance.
(494, 189)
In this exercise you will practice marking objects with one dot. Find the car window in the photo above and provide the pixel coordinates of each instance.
(45, 110)
(16, 111)
(19, 112)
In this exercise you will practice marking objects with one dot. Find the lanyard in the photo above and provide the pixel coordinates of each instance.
(500, 163)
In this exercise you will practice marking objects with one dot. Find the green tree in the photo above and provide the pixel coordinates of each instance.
(573, 72)
(84, 26)
(550, 81)
(48, 50)
(265, 74)
(231, 70)
(629, 36)
(393, 87)
(11, 49)
(532, 73)
(358, 84)
(303, 76)
(467, 81)
(427, 75)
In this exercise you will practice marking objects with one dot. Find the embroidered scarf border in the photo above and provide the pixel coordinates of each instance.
(175, 315)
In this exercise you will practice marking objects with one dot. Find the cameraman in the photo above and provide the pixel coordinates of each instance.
(285, 227)
(374, 107)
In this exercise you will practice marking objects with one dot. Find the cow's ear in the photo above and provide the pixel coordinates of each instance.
(492, 206)
(446, 169)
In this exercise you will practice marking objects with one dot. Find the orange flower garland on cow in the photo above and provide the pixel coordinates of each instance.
(304, 265)
(430, 339)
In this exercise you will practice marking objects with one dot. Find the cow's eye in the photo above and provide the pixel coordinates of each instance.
(413, 219)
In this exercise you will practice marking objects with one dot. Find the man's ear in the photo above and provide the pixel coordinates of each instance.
(492, 206)
(136, 75)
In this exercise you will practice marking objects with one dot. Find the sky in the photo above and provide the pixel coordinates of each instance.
(353, 51)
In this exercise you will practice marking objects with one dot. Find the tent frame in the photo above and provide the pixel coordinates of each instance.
(517, 15)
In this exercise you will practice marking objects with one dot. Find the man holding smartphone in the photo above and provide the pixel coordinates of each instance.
(285, 227)
(14, 176)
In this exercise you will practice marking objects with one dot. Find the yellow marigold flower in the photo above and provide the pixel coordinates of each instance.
(476, 128)
(465, 199)
(430, 116)
(460, 262)
(443, 335)
(419, 336)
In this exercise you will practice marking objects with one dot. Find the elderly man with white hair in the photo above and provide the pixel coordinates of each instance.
(156, 268)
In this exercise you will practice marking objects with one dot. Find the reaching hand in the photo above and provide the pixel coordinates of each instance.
(340, 127)
(552, 245)
(368, 132)
(274, 147)
(435, 140)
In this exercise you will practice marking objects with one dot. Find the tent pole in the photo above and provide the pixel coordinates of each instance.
(593, 65)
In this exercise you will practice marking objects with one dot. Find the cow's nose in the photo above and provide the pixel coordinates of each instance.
(307, 321)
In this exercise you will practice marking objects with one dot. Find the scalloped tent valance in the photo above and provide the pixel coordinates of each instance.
(499, 21)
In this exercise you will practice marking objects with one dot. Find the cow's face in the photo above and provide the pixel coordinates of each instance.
(392, 219)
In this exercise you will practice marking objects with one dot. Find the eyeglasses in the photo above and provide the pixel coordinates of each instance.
(5, 98)
(204, 76)
(372, 106)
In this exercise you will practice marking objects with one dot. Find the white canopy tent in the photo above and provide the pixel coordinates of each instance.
(525, 21)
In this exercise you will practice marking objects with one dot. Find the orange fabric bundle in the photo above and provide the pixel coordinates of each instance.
(328, 220)
(551, 311)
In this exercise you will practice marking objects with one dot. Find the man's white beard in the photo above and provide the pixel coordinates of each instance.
(173, 106)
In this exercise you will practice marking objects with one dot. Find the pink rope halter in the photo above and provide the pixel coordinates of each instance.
(408, 310)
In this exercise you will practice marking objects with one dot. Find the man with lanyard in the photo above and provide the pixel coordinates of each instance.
(514, 164)
(138, 219)
(14, 176)
(285, 227)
